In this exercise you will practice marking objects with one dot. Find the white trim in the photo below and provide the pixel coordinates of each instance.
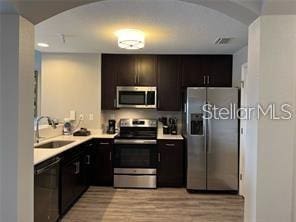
(244, 70)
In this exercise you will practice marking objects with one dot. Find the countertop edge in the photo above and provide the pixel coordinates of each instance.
(41, 155)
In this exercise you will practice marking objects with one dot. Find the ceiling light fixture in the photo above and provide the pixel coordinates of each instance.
(41, 44)
(130, 39)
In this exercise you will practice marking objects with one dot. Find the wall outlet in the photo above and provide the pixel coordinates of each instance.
(91, 116)
(72, 115)
(81, 117)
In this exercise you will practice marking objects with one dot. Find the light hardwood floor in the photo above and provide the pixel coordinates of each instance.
(164, 205)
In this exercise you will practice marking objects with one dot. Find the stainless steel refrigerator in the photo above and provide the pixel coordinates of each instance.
(212, 144)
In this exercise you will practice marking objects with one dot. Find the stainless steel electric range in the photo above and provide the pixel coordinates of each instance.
(135, 154)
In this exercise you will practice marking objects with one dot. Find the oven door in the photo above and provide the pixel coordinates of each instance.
(140, 154)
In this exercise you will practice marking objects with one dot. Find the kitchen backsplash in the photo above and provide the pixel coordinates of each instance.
(47, 132)
(138, 113)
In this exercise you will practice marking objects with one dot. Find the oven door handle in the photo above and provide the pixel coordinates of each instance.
(130, 141)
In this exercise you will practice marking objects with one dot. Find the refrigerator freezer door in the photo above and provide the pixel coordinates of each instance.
(196, 134)
(222, 143)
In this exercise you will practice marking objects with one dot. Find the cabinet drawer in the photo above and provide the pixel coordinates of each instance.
(170, 143)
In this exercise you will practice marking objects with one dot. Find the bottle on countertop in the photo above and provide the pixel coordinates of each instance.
(173, 125)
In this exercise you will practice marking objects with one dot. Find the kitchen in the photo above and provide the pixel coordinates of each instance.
(75, 45)
(135, 112)
(131, 120)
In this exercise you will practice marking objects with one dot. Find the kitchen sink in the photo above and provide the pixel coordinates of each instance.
(54, 144)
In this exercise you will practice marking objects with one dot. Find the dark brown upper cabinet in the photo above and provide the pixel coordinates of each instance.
(219, 70)
(136, 70)
(169, 72)
(193, 70)
(168, 68)
(126, 70)
(109, 81)
(207, 70)
(147, 70)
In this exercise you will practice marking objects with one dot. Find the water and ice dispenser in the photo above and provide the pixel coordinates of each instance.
(196, 124)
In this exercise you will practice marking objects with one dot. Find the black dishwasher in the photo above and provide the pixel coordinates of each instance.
(46, 191)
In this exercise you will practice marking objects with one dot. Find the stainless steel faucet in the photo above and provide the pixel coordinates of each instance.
(50, 122)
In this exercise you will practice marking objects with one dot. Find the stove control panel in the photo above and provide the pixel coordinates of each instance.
(138, 123)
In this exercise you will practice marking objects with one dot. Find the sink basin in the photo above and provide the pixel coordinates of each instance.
(54, 144)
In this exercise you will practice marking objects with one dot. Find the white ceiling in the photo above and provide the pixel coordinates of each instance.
(171, 26)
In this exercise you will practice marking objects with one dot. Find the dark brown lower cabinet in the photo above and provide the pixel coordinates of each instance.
(88, 162)
(72, 180)
(170, 171)
(102, 169)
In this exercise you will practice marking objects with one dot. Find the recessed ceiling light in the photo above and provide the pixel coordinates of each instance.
(130, 39)
(41, 44)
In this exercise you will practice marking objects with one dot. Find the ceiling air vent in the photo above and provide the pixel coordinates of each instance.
(222, 41)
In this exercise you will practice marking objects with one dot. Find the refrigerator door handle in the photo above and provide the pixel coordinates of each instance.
(209, 141)
(205, 133)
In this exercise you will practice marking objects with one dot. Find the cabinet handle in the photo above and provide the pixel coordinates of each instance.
(110, 156)
(170, 144)
(138, 79)
(87, 160)
(104, 143)
(204, 80)
(135, 79)
(77, 168)
(158, 157)
(208, 80)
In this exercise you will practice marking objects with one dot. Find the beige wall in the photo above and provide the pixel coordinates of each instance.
(71, 82)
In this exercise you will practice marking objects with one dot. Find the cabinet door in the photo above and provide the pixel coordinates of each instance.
(103, 171)
(192, 71)
(170, 172)
(168, 83)
(126, 70)
(108, 86)
(219, 70)
(70, 180)
(88, 162)
(146, 70)
(81, 185)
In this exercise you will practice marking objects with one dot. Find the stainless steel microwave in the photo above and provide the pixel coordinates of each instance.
(136, 97)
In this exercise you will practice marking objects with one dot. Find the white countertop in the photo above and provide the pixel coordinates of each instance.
(41, 155)
(161, 136)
